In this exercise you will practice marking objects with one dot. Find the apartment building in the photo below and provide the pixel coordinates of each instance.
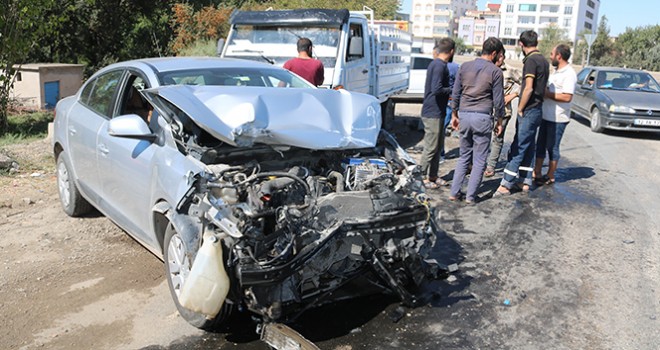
(478, 25)
(574, 16)
(432, 19)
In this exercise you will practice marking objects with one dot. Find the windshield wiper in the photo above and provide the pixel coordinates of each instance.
(261, 53)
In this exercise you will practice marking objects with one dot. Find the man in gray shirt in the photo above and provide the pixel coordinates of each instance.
(478, 91)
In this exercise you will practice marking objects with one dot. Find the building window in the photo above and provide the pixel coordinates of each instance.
(527, 8)
(591, 4)
(507, 31)
(544, 20)
(568, 10)
(427, 18)
(567, 22)
(19, 76)
(418, 17)
(526, 19)
(550, 8)
(509, 8)
(440, 19)
(590, 15)
(466, 27)
(587, 25)
(491, 29)
(442, 7)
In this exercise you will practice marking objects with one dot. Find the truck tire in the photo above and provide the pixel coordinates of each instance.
(387, 114)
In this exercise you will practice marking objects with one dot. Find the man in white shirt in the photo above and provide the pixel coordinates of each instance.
(556, 113)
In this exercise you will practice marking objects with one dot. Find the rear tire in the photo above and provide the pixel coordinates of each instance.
(72, 201)
(596, 122)
(177, 268)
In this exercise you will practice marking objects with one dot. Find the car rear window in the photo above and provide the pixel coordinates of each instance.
(263, 77)
(421, 62)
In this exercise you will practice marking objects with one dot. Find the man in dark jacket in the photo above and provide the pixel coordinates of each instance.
(434, 110)
(478, 92)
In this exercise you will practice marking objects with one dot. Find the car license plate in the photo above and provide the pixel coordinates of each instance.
(647, 122)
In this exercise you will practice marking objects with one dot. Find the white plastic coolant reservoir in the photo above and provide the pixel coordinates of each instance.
(207, 285)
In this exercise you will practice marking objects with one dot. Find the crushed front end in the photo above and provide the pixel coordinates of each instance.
(302, 228)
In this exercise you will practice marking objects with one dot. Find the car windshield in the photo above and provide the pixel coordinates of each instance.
(277, 44)
(264, 77)
(617, 80)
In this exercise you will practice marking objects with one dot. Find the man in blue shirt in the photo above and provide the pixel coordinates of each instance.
(478, 93)
(434, 110)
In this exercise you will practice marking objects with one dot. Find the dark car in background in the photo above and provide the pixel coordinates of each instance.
(617, 99)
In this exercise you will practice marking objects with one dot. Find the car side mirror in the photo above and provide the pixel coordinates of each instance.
(130, 126)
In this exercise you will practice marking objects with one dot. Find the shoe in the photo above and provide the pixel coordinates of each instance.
(470, 202)
(499, 193)
(489, 172)
(430, 185)
(456, 198)
(524, 188)
(547, 180)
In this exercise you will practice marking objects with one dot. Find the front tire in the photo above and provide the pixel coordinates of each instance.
(596, 122)
(72, 201)
(177, 268)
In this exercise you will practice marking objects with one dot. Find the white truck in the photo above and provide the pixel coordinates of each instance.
(357, 54)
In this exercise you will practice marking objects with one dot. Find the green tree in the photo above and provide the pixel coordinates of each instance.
(21, 23)
(640, 47)
(383, 9)
(551, 36)
(602, 50)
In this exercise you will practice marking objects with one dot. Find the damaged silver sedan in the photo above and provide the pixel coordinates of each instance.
(260, 192)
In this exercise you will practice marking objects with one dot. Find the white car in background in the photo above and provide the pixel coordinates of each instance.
(418, 65)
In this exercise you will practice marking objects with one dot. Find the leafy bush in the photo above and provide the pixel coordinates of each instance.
(29, 124)
(199, 48)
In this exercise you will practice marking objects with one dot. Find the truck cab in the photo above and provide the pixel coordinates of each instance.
(357, 54)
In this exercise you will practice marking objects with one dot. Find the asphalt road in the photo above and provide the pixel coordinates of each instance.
(568, 266)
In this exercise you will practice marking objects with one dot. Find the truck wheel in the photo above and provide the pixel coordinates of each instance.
(72, 201)
(596, 121)
(177, 268)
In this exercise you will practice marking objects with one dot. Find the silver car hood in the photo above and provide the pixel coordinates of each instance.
(634, 99)
(306, 118)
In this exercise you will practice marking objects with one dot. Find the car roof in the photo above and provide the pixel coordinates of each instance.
(169, 64)
(615, 69)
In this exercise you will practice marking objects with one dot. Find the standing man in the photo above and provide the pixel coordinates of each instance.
(478, 91)
(304, 65)
(453, 70)
(556, 113)
(434, 109)
(511, 92)
(521, 154)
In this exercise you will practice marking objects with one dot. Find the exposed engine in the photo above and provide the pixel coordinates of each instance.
(298, 225)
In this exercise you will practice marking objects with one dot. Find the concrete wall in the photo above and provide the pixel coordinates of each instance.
(27, 91)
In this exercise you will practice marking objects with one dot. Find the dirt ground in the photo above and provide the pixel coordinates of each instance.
(572, 266)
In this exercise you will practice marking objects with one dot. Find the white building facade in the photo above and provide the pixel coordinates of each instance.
(432, 19)
(574, 16)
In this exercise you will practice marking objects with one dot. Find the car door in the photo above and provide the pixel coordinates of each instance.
(583, 88)
(127, 165)
(85, 119)
(356, 58)
(418, 66)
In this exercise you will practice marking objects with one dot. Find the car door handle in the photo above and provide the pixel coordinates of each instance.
(104, 149)
(365, 71)
(72, 130)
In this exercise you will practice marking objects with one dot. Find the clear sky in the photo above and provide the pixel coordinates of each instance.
(620, 13)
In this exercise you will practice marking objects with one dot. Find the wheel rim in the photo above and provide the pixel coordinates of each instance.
(178, 263)
(63, 184)
(594, 119)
